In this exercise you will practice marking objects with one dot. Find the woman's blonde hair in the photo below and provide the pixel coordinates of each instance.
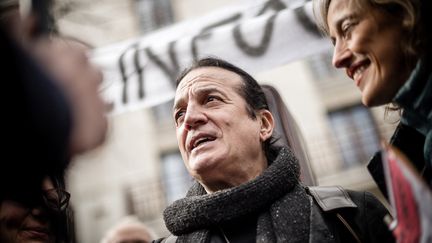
(413, 23)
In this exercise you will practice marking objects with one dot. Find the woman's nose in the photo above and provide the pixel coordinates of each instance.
(341, 56)
(40, 214)
(37, 210)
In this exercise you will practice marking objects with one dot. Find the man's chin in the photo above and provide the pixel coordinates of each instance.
(202, 163)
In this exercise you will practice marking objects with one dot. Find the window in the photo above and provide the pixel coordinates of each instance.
(321, 66)
(163, 112)
(176, 179)
(154, 14)
(355, 133)
(144, 198)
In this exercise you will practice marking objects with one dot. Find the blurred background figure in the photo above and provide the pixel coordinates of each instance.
(129, 230)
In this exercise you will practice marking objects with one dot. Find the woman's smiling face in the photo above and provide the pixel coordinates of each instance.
(367, 43)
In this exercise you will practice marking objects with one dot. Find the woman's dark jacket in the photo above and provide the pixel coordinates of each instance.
(413, 136)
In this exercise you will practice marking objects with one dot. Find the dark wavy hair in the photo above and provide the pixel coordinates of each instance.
(251, 91)
(64, 225)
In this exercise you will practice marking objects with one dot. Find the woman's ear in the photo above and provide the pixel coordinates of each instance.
(267, 124)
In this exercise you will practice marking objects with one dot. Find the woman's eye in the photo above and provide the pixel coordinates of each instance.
(346, 29)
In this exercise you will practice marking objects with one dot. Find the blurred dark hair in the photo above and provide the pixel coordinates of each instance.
(251, 91)
(64, 226)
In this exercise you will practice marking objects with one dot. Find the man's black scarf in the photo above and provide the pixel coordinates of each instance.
(276, 196)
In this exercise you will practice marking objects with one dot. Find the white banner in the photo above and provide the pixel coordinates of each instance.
(256, 35)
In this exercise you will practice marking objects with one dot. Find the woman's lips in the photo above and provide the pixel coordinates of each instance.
(38, 233)
(357, 70)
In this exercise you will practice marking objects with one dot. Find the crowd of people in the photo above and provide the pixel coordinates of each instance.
(247, 187)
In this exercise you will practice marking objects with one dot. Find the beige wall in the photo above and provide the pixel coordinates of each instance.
(187, 9)
(301, 96)
(97, 180)
(99, 22)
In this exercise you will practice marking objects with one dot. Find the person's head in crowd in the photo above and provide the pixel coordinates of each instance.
(61, 112)
(377, 42)
(129, 230)
(36, 216)
(223, 125)
(67, 61)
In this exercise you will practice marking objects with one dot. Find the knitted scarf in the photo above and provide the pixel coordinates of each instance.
(276, 196)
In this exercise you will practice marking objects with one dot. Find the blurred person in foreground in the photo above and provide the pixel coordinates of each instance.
(247, 189)
(41, 145)
(53, 113)
(386, 48)
(129, 230)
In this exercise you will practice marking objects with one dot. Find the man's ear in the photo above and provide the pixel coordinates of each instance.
(267, 124)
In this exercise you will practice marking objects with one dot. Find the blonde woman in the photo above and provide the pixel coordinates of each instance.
(384, 47)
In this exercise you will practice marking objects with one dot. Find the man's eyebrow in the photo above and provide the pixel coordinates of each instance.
(206, 90)
(198, 92)
(177, 104)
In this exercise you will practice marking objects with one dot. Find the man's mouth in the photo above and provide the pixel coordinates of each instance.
(199, 141)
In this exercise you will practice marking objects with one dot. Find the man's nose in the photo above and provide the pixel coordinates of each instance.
(194, 116)
(341, 55)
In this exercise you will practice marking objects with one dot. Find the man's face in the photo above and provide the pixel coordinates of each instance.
(219, 141)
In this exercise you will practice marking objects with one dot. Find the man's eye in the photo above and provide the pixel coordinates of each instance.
(178, 116)
(212, 98)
